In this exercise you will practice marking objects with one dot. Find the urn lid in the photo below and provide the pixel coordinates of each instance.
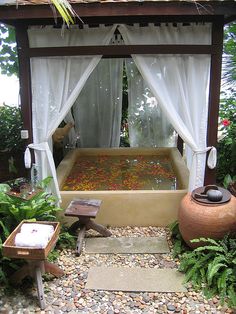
(211, 194)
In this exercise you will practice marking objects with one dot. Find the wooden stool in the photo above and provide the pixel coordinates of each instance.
(36, 269)
(84, 210)
(36, 263)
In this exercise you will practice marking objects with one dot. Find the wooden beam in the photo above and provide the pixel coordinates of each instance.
(229, 19)
(121, 50)
(144, 19)
(25, 78)
(136, 8)
(214, 93)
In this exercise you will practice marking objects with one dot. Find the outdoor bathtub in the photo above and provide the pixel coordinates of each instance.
(129, 207)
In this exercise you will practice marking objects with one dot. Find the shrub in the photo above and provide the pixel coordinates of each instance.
(11, 124)
(227, 140)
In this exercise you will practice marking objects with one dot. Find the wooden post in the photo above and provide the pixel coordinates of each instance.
(25, 78)
(180, 145)
(214, 92)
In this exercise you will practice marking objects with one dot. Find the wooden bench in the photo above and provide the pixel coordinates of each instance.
(85, 210)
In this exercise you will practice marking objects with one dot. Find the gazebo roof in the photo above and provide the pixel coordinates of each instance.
(38, 2)
(119, 10)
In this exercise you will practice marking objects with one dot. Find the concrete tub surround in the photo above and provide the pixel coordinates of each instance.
(134, 207)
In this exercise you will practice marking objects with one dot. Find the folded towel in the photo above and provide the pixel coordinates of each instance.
(34, 235)
(35, 241)
(33, 228)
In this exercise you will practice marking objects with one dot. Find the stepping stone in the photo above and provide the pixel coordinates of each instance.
(135, 279)
(127, 245)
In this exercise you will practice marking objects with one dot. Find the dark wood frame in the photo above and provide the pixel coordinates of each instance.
(124, 12)
(216, 12)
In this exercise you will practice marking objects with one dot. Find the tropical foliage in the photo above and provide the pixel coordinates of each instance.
(229, 57)
(11, 144)
(210, 267)
(227, 115)
(13, 210)
(8, 51)
(227, 138)
(179, 246)
(11, 124)
(65, 10)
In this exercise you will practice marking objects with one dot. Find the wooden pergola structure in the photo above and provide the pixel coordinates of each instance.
(39, 12)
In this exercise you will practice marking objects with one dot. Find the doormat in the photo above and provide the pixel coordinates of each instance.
(126, 245)
(135, 279)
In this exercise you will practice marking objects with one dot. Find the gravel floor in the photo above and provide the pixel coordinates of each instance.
(68, 294)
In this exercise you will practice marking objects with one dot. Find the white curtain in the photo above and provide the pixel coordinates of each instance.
(180, 83)
(148, 126)
(98, 109)
(56, 84)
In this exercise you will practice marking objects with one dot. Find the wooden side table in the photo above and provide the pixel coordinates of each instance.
(85, 210)
(36, 263)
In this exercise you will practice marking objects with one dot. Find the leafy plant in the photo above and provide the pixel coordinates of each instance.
(179, 246)
(8, 51)
(227, 114)
(40, 207)
(229, 56)
(11, 124)
(212, 268)
(228, 180)
(226, 164)
(13, 210)
(66, 240)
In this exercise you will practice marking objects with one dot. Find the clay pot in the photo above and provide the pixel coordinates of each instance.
(197, 219)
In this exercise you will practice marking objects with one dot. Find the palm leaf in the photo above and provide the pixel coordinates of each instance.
(61, 11)
(66, 11)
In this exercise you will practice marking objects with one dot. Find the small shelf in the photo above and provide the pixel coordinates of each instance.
(29, 196)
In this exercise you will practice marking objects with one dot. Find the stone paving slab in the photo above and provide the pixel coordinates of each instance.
(135, 279)
(127, 245)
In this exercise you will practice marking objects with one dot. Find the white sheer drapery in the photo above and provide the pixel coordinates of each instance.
(148, 127)
(56, 84)
(98, 108)
(179, 82)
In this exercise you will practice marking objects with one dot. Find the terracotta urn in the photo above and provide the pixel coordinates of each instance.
(200, 217)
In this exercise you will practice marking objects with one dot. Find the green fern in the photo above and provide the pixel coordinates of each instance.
(179, 246)
(213, 268)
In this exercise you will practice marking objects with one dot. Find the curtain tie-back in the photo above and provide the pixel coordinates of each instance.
(212, 157)
(27, 156)
(43, 146)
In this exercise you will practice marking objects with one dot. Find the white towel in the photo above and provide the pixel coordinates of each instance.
(32, 228)
(34, 235)
(35, 241)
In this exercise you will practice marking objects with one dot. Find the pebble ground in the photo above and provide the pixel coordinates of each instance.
(68, 294)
